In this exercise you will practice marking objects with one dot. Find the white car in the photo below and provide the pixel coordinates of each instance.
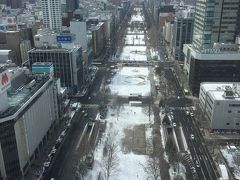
(197, 163)
(187, 113)
(174, 124)
(192, 136)
(46, 164)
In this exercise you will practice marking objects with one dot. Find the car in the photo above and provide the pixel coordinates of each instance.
(193, 169)
(187, 112)
(89, 161)
(197, 163)
(192, 136)
(178, 97)
(191, 114)
(85, 115)
(102, 117)
(53, 151)
(174, 124)
(46, 164)
(59, 140)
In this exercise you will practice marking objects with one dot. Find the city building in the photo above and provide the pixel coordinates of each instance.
(166, 13)
(98, 39)
(219, 64)
(168, 30)
(182, 32)
(220, 103)
(14, 4)
(66, 57)
(215, 21)
(67, 65)
(52, 17)
(79, 28)
(19, 41)
(24, 128)
(72, 5)
(7, 55)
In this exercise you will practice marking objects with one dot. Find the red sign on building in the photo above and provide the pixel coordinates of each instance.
(4, 79)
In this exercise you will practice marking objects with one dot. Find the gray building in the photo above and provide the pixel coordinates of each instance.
(18, 41)
(24, 127)
(68, 65)
(72, 5)
(215, 21)
(220, 64)
(182, 32)
(220, 103)
(52, 17)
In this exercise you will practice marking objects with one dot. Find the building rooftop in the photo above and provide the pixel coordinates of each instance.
(223, 170)
(217, 90)
(19, 97)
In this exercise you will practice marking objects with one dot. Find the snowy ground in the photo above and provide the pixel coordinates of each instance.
(131, 80)
(134, 31)
(137, 17)
(231, 158)
(118, 120)
(133, 53)
(135, 39)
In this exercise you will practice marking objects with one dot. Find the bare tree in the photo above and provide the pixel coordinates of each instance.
(80, 169)
(152, 168)
(111, 160)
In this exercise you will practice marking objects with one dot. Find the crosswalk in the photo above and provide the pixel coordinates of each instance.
(187, 159)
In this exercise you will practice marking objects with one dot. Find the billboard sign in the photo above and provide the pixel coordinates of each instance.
(9, 20)
(64, 39)
(5, 81)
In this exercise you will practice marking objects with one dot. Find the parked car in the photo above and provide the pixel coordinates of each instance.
(46, 164)
(192, 136)
(89, 161)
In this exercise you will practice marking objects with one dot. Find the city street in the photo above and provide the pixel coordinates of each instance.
(132, 91)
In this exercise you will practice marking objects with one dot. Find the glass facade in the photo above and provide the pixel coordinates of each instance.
(215, 21)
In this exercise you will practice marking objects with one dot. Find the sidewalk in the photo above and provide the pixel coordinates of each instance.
(37, 165)
(180, 75)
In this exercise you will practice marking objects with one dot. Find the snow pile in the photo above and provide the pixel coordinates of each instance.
(229, 157)
(135, 79)
(130, 167)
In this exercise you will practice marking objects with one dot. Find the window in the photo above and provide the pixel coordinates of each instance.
(237, 124)
(228, 124)
(229, 111)
(234, 105)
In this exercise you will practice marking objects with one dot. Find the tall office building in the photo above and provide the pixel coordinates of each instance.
(215, 21)
(14, 4)
(182, 32)
(68, 65)
(24, 128)
(52, 17)
(72, 4)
